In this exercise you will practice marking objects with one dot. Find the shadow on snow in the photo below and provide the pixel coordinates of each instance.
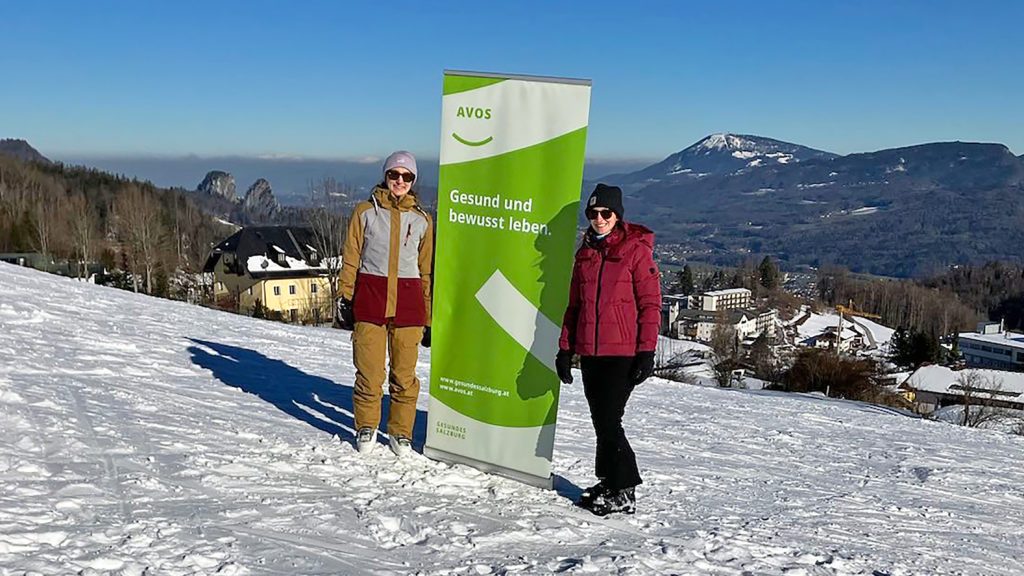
(319, 402)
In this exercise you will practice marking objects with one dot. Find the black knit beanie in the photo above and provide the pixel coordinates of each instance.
(608, 197)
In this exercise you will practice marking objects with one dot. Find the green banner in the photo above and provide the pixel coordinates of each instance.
(512, 151)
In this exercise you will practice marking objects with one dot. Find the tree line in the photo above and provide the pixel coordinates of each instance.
(901, 303)
(995, 290)
(153, 240)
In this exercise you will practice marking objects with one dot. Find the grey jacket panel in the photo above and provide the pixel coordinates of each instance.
(414, 228)
(377, 242)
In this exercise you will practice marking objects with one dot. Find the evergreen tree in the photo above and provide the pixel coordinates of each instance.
(769, 273)
(913, 348)
(685, 280)
(898, 346)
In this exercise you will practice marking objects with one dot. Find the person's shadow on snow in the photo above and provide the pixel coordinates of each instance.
(319, 402)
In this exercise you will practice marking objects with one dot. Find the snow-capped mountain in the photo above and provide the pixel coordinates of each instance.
(144, 436)
(872, 211)
(721, 154)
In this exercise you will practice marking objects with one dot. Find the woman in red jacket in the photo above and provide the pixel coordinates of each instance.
(612, 323)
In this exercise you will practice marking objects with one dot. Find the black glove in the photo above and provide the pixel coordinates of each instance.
(563, 365)
(643, 367)
(425, 341)
(346, 314)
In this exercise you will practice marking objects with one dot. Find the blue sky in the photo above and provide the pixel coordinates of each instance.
(348, 80)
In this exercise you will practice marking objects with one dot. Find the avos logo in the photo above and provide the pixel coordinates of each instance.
(472, 113)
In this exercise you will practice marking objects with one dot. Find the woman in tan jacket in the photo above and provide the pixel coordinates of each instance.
(385, 292)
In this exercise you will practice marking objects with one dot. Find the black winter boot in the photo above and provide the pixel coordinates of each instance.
(614, 502)
(586, 499)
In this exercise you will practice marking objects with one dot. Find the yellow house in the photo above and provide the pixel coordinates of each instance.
(273, 270)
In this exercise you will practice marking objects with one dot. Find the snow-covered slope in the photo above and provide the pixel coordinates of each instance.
(139, 435)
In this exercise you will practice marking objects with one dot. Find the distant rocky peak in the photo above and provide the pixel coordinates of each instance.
(218, 183)
(259, 202)
(259, 188)
(21, 150)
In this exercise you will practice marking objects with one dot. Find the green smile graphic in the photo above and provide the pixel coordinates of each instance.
(471, 142)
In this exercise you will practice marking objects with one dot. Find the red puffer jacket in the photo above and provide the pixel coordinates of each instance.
(615, 295)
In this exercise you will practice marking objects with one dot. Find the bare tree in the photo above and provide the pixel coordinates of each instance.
(1018, 427)
(329, 224)
(979, 398)
(83, 226)
(672, 366)
(48, 214)
(317, 306)
(724, 349)
(141, 231)
(192, 238)
(18, 197)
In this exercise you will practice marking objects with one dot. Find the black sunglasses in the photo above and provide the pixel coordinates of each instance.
(395, 175)
(605, 213)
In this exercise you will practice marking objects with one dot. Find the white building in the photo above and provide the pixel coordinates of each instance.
(820, 331)
(700, 325)
(849, 341)
(670, 307)
(725, 299)
(932, 387)
(991, 347)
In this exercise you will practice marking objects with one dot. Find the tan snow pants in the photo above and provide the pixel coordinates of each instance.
(370, 342)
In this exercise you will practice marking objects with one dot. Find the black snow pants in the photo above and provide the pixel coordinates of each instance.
(607, 387)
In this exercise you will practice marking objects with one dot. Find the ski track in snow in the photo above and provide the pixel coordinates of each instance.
(143, 436)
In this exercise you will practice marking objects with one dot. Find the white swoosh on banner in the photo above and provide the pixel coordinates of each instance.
(518, 317)
(523, 114)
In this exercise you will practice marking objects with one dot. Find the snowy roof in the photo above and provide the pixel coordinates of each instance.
(727, 292)
(818, 324)
(733, 315)
(810, 324)
(260, 263)
(269, 249)
(943, 380)
(1009, 340)
(882, 333)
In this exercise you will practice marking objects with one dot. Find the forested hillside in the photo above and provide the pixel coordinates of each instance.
(143, 233)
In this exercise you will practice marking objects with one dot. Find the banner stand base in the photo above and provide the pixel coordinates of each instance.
(442, 456)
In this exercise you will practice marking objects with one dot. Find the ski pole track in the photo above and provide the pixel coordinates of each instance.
(111, 475)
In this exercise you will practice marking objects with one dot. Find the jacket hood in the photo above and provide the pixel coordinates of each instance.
(642, 233)
(383, 197)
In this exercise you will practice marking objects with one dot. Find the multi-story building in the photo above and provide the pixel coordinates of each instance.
(992, 347)
(729, 299)
(670, 307)
(766, 322)
(700, 325)
(275, 268)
